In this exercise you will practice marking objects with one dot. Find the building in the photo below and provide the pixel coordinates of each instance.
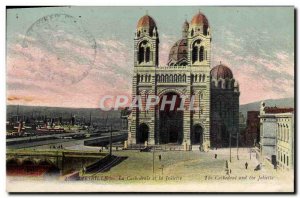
(251, 134)
(187, 74)
(277, 136)
(285, 141)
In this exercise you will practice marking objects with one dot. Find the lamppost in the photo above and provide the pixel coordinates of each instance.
(153, 161)
(230, 146)
(237, 145)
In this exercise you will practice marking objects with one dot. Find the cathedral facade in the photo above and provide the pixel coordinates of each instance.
(188, 73)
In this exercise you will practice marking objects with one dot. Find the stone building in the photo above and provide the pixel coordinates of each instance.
(186, 74)
(251, 134)
(285, 141)
(277, 136)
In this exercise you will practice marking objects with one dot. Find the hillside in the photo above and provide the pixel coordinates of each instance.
(283, 102)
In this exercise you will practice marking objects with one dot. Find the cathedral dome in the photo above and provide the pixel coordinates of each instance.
(199, 20)
(221, 71)
(178, 52)
(146, 22)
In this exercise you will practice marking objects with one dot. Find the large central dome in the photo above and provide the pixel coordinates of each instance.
(178, 52)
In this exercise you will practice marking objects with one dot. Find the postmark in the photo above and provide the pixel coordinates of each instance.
(61, 49)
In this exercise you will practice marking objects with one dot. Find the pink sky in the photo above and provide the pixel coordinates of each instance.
(36, 76)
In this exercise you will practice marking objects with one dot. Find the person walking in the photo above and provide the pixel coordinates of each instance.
(246, 165)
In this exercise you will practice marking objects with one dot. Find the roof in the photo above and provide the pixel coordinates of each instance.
(179, 50)
(146, 22)
(278, 110)
(199, 19)
(221, 71)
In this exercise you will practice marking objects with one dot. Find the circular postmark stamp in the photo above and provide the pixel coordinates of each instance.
(60, 49)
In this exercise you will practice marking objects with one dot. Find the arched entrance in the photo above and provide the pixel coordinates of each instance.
(197, 135)
(170, 120)
(142, 133)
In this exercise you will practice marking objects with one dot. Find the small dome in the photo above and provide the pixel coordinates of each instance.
(199, 19)
(221, 71)
(146, 22)
(179, 51)
(185, 25)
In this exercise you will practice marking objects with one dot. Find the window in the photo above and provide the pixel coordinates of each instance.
(144, 52)
(141, 54)
(205, 32)
(201, 53)
(196, 51)
(220, 84)
(147, 54)
(195, 54)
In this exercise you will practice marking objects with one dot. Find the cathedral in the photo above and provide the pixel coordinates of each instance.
(187, 73)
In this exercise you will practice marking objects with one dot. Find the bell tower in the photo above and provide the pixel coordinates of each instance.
(146, 46)
(199, 51)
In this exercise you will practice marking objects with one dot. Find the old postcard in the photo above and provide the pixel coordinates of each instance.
(150, 99)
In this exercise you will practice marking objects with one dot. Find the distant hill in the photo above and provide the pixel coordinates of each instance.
(66, 113)
(254, 106)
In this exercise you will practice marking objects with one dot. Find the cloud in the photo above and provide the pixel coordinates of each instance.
(56, 78)
(262, 73)
(75, 74)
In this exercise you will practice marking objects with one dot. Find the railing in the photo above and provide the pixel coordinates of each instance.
(164, 67)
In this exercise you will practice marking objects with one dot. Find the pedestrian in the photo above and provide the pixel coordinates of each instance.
(159, 157)
(230, 171)
(246, 165)
(216, 156)
(226, 164)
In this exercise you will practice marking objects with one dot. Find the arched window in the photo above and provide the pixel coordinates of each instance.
(203, 78)
(167, 78)
(205, 30)
(195, 51)
(200, 78)
(147, 54)
(227, 84)
(184, 78)
(141, 54)
(220, 84)
(144, 52)
(201, 53)
(195, 54)
(196, 78)
(175, 78)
